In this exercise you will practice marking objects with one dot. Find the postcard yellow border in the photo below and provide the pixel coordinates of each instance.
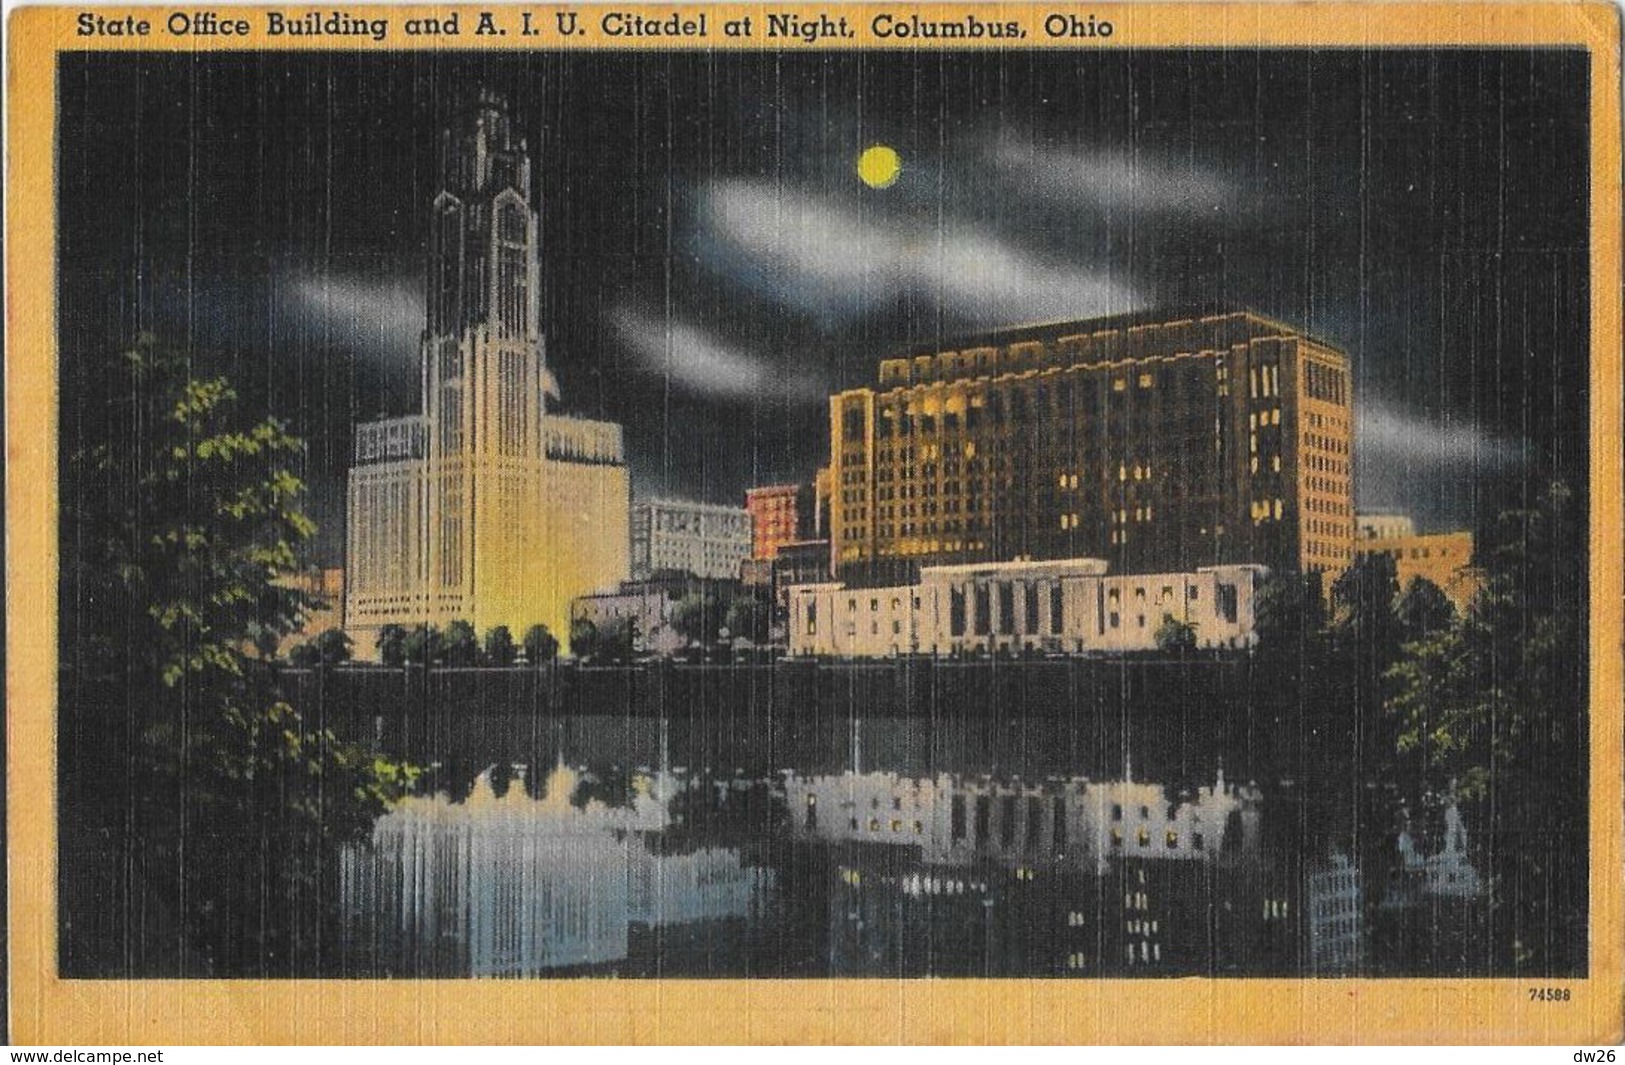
(47, 1010)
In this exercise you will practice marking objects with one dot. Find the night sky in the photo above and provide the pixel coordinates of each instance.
(713, 267)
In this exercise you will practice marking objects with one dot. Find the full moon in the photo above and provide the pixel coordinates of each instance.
(879, 166)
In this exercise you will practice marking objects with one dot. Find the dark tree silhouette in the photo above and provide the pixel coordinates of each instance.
(540, 645)
(499, 647)
(182, 757)
(392, 645)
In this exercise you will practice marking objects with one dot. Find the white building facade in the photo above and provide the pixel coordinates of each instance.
(1087, 824)
(1068, 606)
(703, 539)
(505, 885)
(486, 506)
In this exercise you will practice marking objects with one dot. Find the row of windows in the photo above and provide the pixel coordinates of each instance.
(1264, 381)
(1320, 505)
(1324, 550)
(896, 825)
(1022, 404)
(385, 552)
(1325, 383)
(1416, 553)
(1325, 443)
(513, 292)
(692, 523)
(513, 413)
(1168, 344)
(451, 542)
(1155, 954)
(1266, 510)
(451, 419)
(1170, 839)
(1008, 822)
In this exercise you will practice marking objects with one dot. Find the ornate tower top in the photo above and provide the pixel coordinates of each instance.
(484, 376)
(483, 256)
(480, 154)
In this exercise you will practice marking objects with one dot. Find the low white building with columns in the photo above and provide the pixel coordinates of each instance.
(956, 820)
(1070, 606)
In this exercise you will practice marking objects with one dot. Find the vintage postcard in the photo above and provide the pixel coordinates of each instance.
(814, 523)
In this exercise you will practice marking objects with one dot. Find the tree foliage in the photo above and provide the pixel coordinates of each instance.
(330, 647)
(1175, 636)
(540, 645)
(617, 640)
(462, 645)
(697, 617)
(392, 645)
(1423, 610)
(424, 645)
(749, 618)
(499, 647)
(1490, 708)
(583, 638)
(183, 521)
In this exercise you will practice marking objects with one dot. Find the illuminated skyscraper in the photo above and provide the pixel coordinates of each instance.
(1159, 443)
(486, 507)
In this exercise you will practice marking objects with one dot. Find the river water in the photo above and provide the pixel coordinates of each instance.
(610, 847)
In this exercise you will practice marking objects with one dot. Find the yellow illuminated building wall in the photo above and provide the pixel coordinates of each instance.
(1157, 443)
(1445, 559)
(487, 507)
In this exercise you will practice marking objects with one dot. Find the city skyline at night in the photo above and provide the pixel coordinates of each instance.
(715, 266)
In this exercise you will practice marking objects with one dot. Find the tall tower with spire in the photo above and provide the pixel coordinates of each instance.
(486, 506)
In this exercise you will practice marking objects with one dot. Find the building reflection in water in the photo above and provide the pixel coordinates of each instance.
(507, 884)
(973, 875)
(885, 874)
